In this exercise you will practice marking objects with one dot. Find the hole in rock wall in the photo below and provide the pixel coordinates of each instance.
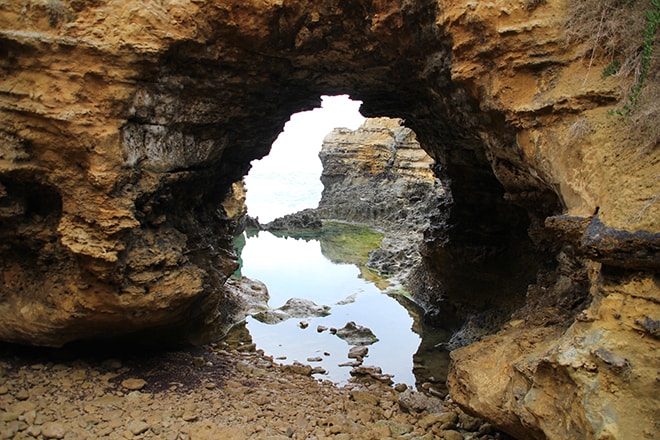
(287, 180)
(335, 298)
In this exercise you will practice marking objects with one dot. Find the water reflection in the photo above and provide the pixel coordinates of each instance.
(297, 268)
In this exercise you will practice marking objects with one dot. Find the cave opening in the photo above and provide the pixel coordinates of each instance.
(350, 263)
(287, 180)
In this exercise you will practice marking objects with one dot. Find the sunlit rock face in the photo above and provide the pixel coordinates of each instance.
(125, 123)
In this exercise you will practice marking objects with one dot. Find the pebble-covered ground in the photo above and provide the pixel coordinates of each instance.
(211, 392)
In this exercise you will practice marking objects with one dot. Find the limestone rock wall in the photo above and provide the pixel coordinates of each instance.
(125, 123)
(378, 175)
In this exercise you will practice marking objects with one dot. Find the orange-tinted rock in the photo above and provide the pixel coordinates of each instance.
(125, 124)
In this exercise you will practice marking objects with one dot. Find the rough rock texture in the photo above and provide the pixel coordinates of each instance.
(125, 123)
(378, 175)
(208, 393)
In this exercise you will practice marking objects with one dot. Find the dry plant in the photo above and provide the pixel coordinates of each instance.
(623, 33)
(611, 28)
(57, 12)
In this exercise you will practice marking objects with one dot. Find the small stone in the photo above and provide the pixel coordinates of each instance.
(351, 364)
(189, 416)
(303, 324)
(356, 334)
(22, 394)
(486, 428)
(298, 368)
(333, 330)
(321, 328)
(138, 427)
(364, 397)
(199, 361)
(315, 359)
(451, 435)
(319, 370)
(53, 430)
(400, 387)
(133, 384)
(33, 430)
(209, 385)
(468, 422)
(357, 352)
(3, 390)
(443, 420)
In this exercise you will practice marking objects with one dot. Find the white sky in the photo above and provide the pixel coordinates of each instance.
(287, 180)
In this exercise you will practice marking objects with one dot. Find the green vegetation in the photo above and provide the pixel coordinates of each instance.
(348, 243)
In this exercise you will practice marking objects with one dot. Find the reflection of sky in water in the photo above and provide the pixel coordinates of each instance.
(297, 269)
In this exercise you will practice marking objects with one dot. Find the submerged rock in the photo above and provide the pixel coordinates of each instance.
(356, 334)
(293, 308)
(358, 352)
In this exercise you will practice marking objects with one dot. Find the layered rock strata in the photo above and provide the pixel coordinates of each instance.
(125, 123)
(380, 176)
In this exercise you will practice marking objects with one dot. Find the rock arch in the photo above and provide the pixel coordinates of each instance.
(139, 116)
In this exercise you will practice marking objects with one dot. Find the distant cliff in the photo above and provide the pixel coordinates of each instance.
(378, 175)
(125, 124)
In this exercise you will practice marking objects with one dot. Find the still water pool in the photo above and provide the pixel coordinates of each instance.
(299, 268)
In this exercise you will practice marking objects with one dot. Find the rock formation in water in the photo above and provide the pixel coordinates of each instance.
(125, 123)
(378, 175)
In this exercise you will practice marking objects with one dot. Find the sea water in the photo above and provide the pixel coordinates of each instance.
(296, 268)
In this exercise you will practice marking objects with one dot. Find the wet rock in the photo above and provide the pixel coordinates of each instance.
(373, 372)
(298, 368)
(303, 324)
(358, 352)
(356, 334)
(321, 328)
(315, 359)
(307, 219)
(293, 308)
(351, 364)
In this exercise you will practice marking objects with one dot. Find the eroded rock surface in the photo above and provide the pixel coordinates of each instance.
(378, 175)
(125, 125)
